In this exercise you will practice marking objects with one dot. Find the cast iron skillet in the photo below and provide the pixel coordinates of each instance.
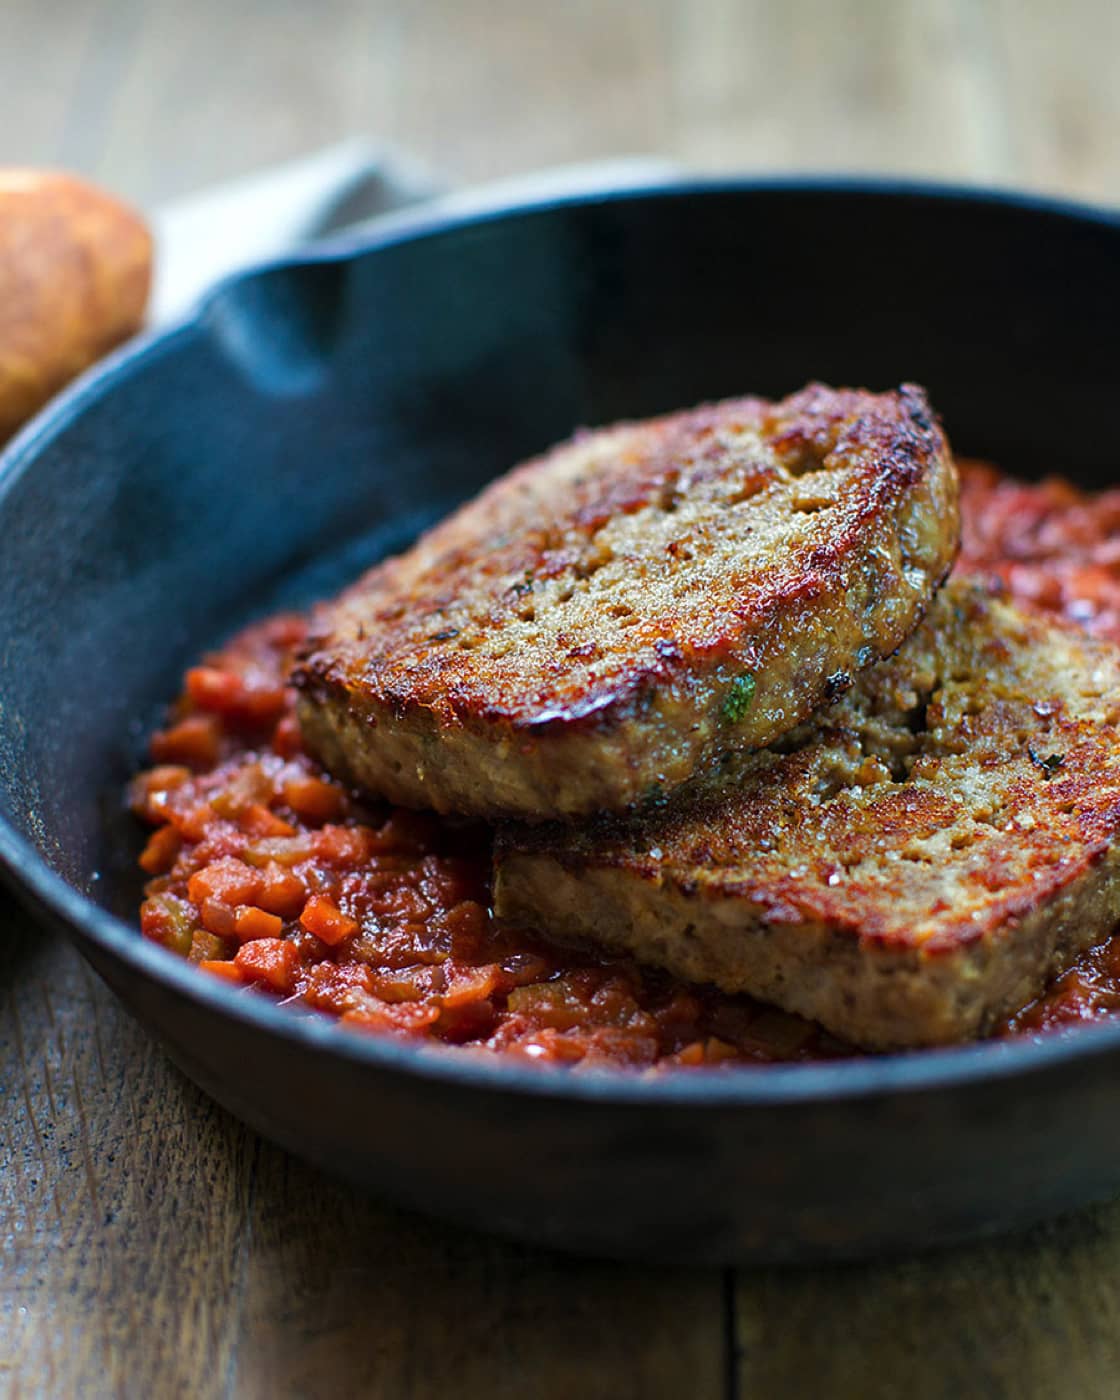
(319, 412)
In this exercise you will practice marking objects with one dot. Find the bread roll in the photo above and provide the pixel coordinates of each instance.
(75, 270)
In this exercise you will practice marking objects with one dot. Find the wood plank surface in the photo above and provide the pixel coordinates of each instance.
(151, 1246)
(154, 1247)
(1037, 1316)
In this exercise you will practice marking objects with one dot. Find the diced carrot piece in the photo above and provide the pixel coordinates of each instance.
(281, 892)
(313, 799)
(257, 820)
(194, 741)
(220, 968)
(253, 700)
(228, 879)
(159, 854)
(271, 961)
(322, 917)
(218, 918)
(342, 845)
(250, 923)
(191, 823)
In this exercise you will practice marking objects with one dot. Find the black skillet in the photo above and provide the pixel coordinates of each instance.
(319, 412)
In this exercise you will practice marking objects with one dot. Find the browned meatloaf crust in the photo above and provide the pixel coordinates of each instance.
(908, 868)
(612, 616)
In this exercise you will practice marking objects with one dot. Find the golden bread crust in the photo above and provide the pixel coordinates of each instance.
(908, 868)
(614, 615)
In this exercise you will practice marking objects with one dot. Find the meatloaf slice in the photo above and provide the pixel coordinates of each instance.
(908, 868)
(617, 613)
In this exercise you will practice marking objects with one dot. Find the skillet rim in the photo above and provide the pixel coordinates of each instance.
(812, 1083)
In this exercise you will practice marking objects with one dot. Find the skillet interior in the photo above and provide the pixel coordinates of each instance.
(319, 413)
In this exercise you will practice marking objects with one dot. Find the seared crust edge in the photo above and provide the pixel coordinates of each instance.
(877, 994)
(665, 721)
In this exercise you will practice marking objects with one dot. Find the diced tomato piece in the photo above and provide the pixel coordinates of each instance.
(191, 822)
(228, 879)
(217, 917)
(271, 961)
(195, 741)
(281, 891)
(212, 689)
(313, 799)
(219, 967)
(330, 987)
(159, 854)
(472, 984)
(243, 700)
(263, 704)
(407, 1017)
(519, 969)
(287, 740)
(257, 820)
(561, 1004)
(322, 917)
(466, 923)
(341, 845)
(404, 984)
(250, 923)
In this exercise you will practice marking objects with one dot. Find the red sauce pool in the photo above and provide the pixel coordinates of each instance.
(268, 873)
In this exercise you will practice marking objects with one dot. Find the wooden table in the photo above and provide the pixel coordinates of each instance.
(151, 1245)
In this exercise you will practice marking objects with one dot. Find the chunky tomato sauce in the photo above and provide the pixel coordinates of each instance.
(266, 872)
(1052, 545)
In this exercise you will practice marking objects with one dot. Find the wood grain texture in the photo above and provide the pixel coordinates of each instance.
(150, 1245)
(1020, 1319)
(154, 1247)
(156, 97)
